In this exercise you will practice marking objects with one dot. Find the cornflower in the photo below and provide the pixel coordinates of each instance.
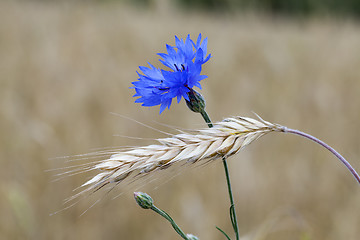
(158, 86)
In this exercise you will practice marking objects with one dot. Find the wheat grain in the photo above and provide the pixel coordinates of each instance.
(225, 139)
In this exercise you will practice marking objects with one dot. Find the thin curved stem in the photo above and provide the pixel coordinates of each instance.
(333, 151)
(167, 217)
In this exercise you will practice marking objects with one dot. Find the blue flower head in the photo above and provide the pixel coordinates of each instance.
(158, 87)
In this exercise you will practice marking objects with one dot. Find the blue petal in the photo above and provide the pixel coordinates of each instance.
(198, 41)
(165, 104)
(170, 50)
(204, 45)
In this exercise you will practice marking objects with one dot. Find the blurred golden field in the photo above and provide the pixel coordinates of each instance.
(65, 67)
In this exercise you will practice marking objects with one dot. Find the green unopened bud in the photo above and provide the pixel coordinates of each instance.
(143, 200)
(191, 237)
(196, 102)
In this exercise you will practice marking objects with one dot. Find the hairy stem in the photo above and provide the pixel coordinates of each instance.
(333, 151)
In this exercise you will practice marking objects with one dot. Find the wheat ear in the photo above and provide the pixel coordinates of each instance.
(225, 139)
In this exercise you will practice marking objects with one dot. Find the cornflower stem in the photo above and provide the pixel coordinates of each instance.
(167, 217)
(206, 118)
(333, 151)
(232, 205)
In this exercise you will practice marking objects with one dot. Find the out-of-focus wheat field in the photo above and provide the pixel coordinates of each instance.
(65, 67)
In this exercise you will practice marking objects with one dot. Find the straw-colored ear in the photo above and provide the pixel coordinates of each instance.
(226, 138)
(223, 140)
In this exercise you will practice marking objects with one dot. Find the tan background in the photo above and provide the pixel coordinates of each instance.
(64, 67)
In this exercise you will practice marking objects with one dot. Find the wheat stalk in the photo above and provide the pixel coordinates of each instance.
(225, 139)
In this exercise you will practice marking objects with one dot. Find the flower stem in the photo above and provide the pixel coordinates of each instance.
(333, 151)
(232, 205)
(146, 202)
(167, 217)
(206, 118)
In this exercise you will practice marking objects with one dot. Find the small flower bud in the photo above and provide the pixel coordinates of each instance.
(196, 102)
(191, 237)
(143, 200)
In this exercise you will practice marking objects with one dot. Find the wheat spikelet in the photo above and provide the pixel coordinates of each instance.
(226, 138)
